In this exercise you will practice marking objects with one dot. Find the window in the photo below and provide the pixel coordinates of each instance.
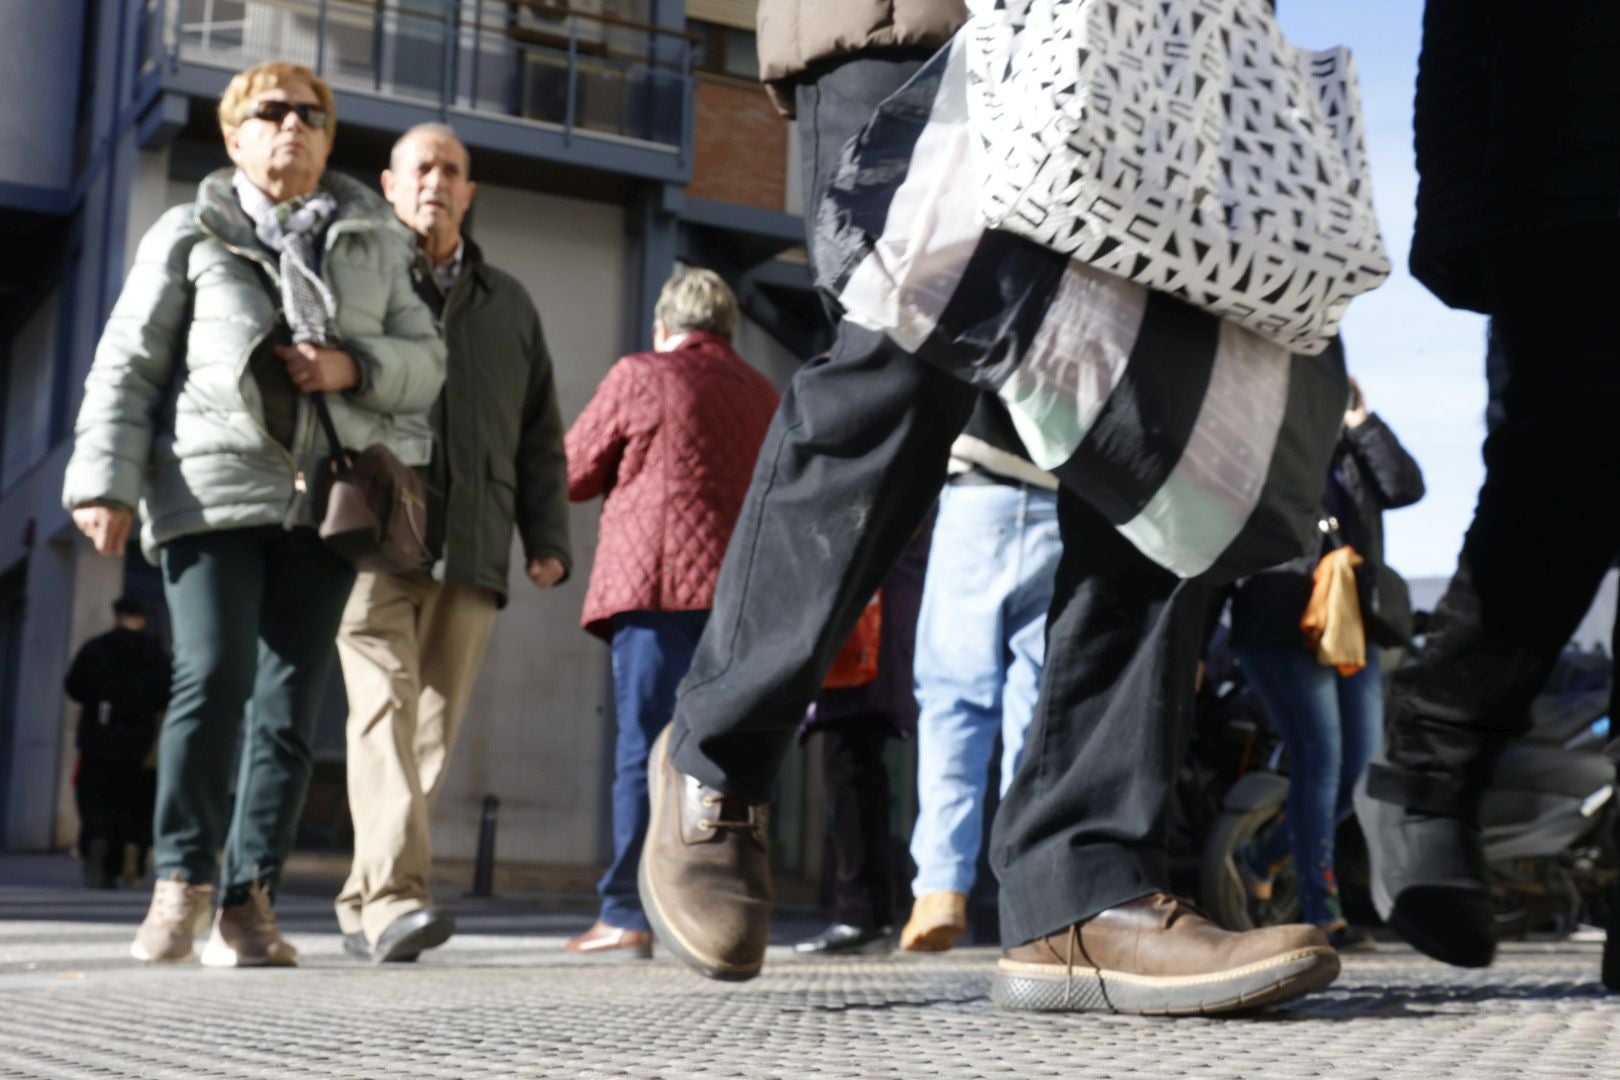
(724, 50)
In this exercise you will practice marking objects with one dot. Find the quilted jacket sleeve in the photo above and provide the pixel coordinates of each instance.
(401, 369)
(112, 438)
(1395, 474)
(542, 465)
(596, 441)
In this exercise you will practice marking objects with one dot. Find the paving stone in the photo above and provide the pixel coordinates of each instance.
(502, 1002)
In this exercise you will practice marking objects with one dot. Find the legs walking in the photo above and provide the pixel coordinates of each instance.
(1510, 608)
(651, 653)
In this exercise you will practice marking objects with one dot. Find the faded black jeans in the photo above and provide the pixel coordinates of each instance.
(1545, 530)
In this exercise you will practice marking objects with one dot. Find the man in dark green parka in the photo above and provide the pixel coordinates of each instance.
(411, 647)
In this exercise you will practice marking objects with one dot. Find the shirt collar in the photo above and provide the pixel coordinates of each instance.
(446, 273)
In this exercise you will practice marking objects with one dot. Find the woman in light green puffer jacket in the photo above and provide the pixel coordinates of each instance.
(197, 417)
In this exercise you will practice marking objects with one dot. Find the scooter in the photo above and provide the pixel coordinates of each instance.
(1547, 821)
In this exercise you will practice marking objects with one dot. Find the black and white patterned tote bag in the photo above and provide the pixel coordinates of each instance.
(1184, 145)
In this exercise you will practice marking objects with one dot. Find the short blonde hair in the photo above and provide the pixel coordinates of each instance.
(271, 75)
(697, 299)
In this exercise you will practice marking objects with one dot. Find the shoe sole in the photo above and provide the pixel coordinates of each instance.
(222, 956)
(934, 939)
(678, 946)
(1048, 988)
(412, 945)
(145, 957)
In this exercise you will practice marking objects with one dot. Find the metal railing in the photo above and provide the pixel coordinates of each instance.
(527, 60)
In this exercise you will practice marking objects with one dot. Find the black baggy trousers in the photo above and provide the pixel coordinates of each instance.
(854, 459)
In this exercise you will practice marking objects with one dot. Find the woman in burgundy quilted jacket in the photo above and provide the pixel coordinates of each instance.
(669, 442)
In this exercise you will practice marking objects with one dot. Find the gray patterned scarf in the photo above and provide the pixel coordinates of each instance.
(296, 230)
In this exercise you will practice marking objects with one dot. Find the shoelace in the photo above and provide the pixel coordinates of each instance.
(176, 903)
(733, 813)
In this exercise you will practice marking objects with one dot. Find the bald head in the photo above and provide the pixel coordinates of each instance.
(428, 182)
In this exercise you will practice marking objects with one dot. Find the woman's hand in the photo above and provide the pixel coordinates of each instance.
(1357, 413)
(314, 370)
(106, 526)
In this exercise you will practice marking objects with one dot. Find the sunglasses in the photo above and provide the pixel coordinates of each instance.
(276, 112)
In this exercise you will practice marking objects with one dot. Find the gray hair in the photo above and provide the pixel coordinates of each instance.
(697, 299)
(431, 128)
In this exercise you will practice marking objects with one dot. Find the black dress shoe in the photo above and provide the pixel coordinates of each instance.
(1428, 881)
(408, 936)
(356, 945)
(842, 939)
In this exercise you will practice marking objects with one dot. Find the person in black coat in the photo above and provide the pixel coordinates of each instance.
(1331, 724)
(1518, 209)
(121, 682)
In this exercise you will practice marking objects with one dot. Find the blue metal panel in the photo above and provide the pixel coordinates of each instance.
(654, 234)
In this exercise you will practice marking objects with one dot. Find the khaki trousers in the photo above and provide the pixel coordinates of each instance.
(410, 651)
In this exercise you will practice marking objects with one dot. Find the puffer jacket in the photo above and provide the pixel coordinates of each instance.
(670, 439)
(172, 420)
(796, 36)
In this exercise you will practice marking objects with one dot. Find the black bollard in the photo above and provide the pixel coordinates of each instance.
(484, 867)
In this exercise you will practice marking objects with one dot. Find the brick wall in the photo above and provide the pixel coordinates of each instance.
(741, 152)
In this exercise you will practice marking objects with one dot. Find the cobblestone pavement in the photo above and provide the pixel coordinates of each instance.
(502, 1000)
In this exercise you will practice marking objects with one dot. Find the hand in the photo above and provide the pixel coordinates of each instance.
(314, 369)
(1357, 413)
(545, 571)
(106, 526)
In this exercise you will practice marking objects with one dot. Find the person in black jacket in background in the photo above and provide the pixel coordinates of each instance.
(121, 682)
(1331, 724)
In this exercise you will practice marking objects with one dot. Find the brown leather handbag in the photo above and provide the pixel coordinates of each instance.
(372, 506)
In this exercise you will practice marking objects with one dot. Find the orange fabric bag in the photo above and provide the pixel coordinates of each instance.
(1332, 624)
(857, 662)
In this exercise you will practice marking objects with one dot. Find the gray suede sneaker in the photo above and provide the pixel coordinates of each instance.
(179, 912)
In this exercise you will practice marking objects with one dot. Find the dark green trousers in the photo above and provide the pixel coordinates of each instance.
(255, 613)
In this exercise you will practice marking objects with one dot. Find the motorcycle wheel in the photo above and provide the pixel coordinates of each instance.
(1222, 892)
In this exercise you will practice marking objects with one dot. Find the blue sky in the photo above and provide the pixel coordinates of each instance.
(1420, 363)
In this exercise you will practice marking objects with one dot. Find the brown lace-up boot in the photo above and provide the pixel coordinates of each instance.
(705, 873)
(1157, 955)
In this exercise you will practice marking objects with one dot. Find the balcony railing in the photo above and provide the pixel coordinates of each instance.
(521, 60)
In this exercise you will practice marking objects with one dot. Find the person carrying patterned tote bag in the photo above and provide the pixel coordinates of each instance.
(1184, 471)
(196, 418)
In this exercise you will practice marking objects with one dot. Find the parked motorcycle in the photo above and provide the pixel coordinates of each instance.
(1547, 821)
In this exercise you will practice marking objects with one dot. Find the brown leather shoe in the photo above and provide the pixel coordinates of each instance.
(705, 873)
(603, 939)
(1158, 956)
(937, 920)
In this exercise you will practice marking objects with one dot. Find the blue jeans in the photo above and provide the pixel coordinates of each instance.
(981, 642)
(651, 652)
(1331, 726)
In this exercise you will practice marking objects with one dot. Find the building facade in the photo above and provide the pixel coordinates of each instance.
(610, 139)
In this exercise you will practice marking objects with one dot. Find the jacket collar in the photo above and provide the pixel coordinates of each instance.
(218, 211)
(699, 339)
